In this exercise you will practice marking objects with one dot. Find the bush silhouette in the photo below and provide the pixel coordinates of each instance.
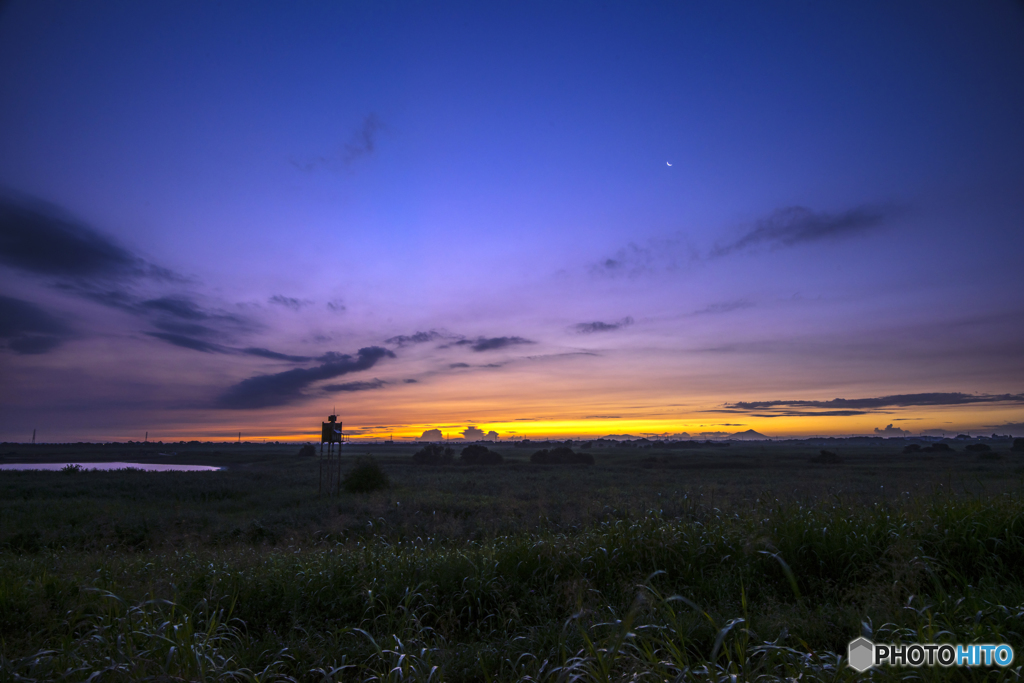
(830, 458)
(561, 455)
(978, 448)
(1018, 444)
(307, 451)
(433, 454)
(911, 448)
(365, 476)
(475, 454)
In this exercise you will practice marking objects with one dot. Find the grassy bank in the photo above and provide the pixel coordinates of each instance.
(436, 579)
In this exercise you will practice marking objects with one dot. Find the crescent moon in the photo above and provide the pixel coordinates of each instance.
(667, 163)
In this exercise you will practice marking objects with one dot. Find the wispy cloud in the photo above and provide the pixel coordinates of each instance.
(725, 307)
(356, 386)
(190, 342)
(361, 144)
(364, 141)
(492, 343)
(793, 225)
(415, 338)
(274, 355)
(657, 254)
(287, 387)
(41, 239)
(28, 329)
(598, 326)
(289, 302)
(785, 227)
(843, 407)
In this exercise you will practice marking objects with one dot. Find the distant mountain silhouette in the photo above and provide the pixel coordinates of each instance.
(749, 435)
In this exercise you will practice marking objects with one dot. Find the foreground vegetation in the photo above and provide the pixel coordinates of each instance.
(646, 566)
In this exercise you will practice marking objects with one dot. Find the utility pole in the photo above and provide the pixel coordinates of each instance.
(239, 438)
(33, 437)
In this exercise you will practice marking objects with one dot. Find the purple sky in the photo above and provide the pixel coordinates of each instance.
(533, 218)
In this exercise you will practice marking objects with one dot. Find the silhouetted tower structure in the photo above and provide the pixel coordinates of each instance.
(330, 469)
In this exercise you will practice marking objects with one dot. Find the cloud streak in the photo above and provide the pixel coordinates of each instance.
(416, 338)
(356, 386)
(843, 407)
(38, 238)
(492, 343)
(283, 388)
(28, 329)
(289, 302)
(794, 225)
(598, 326)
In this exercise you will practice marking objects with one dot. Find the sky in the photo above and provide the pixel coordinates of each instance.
(510, 219)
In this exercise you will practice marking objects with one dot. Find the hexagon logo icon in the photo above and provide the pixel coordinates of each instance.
(861, 654)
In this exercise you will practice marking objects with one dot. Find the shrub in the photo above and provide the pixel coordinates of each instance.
(1018, 444)
(365, 476)
(978, 448)
(909, 448)
(561, 455)
(475, 454)
(433, 454)
(830, 458)
(307, 451)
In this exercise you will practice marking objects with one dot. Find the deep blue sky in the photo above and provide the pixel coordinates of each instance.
(842, 217)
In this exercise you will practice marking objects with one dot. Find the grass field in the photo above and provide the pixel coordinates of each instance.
(746, 562)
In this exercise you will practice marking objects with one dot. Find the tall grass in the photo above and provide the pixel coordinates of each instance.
(770, 592)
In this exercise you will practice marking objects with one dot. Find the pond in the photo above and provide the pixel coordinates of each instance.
(149, 467)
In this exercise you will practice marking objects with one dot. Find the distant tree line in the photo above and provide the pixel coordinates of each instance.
(473, 454)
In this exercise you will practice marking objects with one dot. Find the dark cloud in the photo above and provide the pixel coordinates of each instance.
(187, 329)
(176, 306)
(289, 302)
(597, 326)
(603, 417)
(799, 413)
(492, 343)
(895, 401)
(724, 307)
(891, 431)
(39, 238)
(364, 141)
(1014, 428)
(29, 329)
(458, 365)
(432, 435)
(410, 381)
(795, 225)
(417, 338)
(477, 434)
(286, 387)
(190, 342)
(336, 306)
(356, 386)
(274, 355)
